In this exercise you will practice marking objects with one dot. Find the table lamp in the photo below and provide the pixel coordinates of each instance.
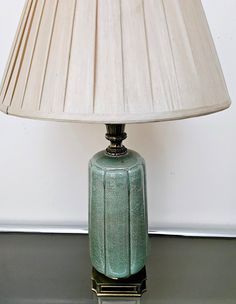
(114, 62)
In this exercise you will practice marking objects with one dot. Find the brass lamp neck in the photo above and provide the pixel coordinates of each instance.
(116, 134)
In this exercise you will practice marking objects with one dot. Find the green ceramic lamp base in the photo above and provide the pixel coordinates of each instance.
(117, 209)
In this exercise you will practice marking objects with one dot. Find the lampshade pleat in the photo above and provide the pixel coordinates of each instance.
(81, 72)
(13, 52)
(113, 61)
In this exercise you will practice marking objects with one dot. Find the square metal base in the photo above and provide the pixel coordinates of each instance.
(133, 286)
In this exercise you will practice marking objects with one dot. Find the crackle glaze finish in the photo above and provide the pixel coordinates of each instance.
(118, 214)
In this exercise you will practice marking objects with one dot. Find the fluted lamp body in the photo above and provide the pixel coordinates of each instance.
(114, 62)
(118, 214)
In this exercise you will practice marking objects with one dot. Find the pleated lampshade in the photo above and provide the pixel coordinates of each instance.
(113, 61)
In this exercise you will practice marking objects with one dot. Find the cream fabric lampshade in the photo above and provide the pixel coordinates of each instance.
(113, 61)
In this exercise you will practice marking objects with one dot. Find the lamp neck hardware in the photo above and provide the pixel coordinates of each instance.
(116, 134)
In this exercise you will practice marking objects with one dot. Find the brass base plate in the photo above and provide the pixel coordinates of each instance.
(134, 286)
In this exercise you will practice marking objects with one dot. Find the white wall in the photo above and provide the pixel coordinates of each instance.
(191, 164)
